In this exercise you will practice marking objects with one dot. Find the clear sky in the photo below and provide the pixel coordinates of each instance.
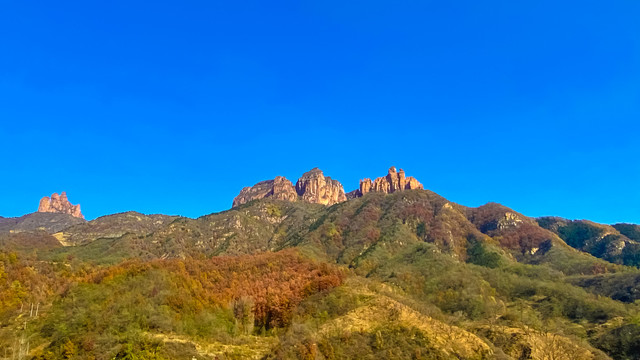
(174, 106)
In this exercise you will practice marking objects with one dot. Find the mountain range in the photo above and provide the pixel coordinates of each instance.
(389, 270)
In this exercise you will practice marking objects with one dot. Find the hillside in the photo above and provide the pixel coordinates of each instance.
(388, 274)
(49, 222)
(603, 241)
(54, 214)
(112, 226)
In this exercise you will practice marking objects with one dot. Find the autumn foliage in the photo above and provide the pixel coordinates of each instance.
(274, 282)
(24, 281)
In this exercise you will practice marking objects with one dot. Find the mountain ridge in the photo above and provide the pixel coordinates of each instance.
(395, 273)
(314, 187)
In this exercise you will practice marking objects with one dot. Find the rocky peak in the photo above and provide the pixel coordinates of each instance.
(312, 187)
(59, 204)
(365, 186)
(394, 181)
(279, 188)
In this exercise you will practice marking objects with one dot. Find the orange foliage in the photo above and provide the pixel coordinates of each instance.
(25, 280)
(525, 237)
(276, 282)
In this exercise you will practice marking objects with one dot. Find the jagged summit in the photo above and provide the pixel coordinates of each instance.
(314, 187)
(394, 181)
(59, 204)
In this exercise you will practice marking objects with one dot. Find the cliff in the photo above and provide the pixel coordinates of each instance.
(59, 204)
(312, 187)
(394, 181)
(279, 188)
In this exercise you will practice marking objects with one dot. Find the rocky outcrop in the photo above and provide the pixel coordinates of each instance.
(283, 189)
(312, 187)
(279, 188)
(365, 186)
(509, 220)
(315, 188)
(59, 204)
(394, 181)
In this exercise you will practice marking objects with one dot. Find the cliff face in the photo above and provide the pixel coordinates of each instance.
(315, 188)
(394, 181)
(312, 187)
(278, 188)
(59, 204)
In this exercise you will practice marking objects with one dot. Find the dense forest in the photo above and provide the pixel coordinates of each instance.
(407, 275)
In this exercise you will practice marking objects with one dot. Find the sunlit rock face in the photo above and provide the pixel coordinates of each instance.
(279, 188)
(315, 188)
(312, 187)
(59, 204)
(394, 181)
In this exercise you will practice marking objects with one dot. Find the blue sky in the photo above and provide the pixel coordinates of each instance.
(173, 107)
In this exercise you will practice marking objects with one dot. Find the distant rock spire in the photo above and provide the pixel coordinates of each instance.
(59, 204)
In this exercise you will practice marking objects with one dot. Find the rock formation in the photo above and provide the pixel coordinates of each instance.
(509, 220)
(394, 181)
(278, 188)
(315, 188)
(59, 204)
(312, 187)
(365, 186)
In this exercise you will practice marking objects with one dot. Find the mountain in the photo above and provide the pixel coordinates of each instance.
(298, 271)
